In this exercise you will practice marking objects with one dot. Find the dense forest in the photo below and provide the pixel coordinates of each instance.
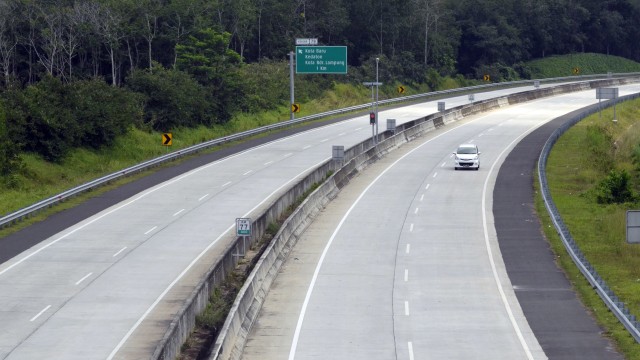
(80, 73)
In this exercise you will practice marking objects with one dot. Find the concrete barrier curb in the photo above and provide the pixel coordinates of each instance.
(245, 309)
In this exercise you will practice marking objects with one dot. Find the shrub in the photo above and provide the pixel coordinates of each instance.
(615, 188)
(10, 161)
(103, 112)
(172, 98)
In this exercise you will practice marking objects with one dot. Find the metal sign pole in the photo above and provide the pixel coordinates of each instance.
(377, 84)
(291, 86)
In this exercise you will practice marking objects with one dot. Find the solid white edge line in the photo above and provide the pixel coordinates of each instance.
(40, 313)
(494, 270)
(84, 278)
(194, 261)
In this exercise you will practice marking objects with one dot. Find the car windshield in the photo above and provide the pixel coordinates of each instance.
(467, 150)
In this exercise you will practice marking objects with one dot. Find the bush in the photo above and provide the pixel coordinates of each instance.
(615, 188)
(103, 112)
(10, 161)
(172, 98)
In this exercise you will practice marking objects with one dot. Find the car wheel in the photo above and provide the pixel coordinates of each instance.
(455, 168)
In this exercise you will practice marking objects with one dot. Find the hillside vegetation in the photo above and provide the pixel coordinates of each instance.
(587, 64)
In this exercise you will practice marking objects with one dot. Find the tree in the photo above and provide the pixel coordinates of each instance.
(206, 56)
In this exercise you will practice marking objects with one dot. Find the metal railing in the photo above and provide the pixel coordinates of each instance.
(617, 307)
(28, 211)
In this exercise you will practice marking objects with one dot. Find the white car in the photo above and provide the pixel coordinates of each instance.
(467, 157)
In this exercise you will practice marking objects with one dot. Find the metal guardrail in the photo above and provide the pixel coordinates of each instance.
(615, 304)
(47, 203)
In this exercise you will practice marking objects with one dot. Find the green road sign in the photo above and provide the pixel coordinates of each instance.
(321, 59)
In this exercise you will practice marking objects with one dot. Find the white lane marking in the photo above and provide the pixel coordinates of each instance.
(450, 156)
(247, 173)
(416, 211)
(410, 345)
(119, 252)
(434, 175)
(406, 275)
(306, 147)
(341, 134)
(178, 213)
(480, 135)
(226, 184)
(40, 313)
(408, 248)
(287, 155)
(494, 270)
(84, 278)
(202, 198)
(490, 129)
(358, 128)
(406, 308)
(324, 140)
(197, 258)
(427, 187)
(268, 163)
(150, 230)
(443, 164)
(470, 141)
(422, 197)
(411, 228)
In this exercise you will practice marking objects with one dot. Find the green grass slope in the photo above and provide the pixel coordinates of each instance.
(578, 163)
(586, 63)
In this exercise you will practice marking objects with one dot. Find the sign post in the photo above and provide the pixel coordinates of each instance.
(607, 93)
(243, 229)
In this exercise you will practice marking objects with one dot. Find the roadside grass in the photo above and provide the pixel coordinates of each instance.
(588, 63)
(582, 158)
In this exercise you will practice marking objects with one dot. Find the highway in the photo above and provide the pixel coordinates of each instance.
(406, 264)
(108, 286)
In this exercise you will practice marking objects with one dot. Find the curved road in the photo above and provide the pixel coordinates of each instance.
(405, 263)
(108, 286)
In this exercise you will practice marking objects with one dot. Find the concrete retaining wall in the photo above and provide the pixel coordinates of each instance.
(249, 301)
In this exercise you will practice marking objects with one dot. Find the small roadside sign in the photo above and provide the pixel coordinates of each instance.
(312, 41)
(295, 108)
(243, 226)
(486, 77)
(167, 139)
(576, 70)
(400, 89)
